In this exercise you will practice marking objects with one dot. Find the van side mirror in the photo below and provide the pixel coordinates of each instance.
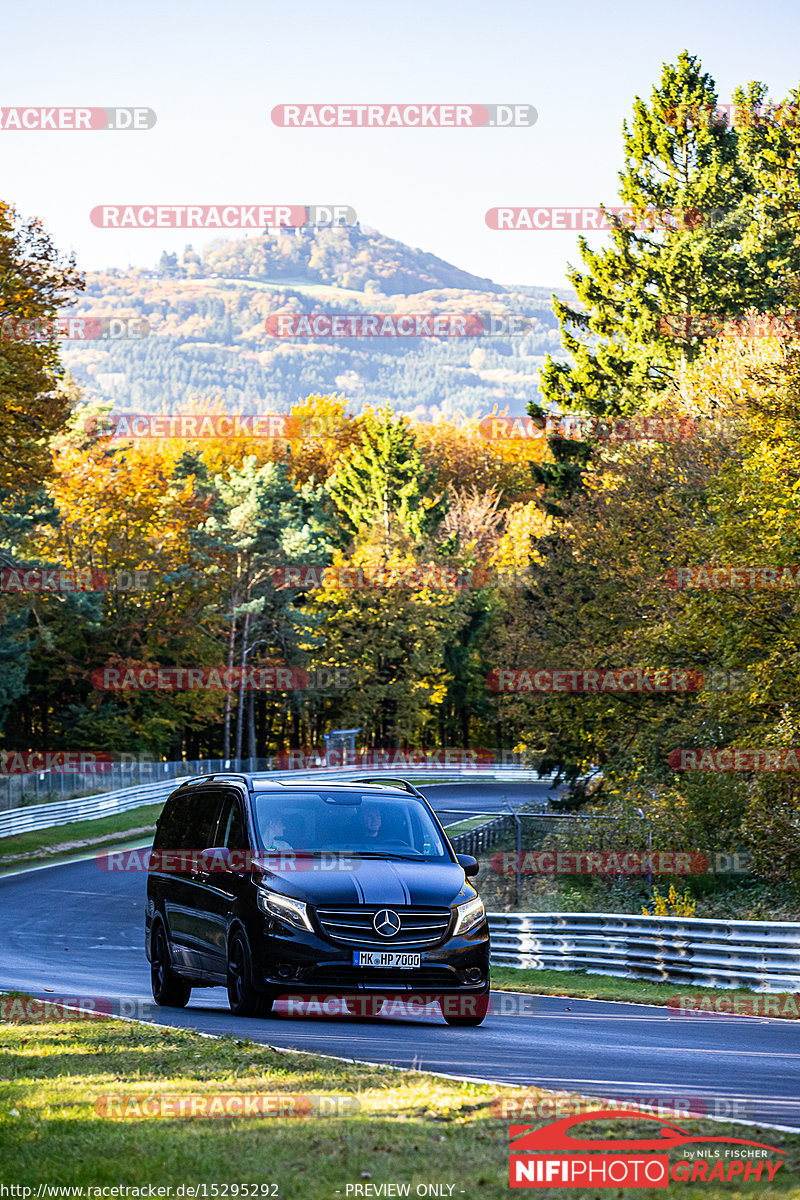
(215, 858)
(469, 863)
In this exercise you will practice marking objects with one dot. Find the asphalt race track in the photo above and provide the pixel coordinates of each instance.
(456, 801)
(77, 931)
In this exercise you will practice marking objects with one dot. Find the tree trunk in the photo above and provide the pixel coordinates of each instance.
(226, 749)
(282, 733)
(240, 712)
(251, 724)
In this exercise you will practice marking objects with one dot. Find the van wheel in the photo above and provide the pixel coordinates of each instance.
(243, 998)
(468, 1021)
(169, 990)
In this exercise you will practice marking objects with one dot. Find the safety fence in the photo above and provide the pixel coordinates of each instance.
(57, 786)
(764, 956)
(482, 837)
(84, 808)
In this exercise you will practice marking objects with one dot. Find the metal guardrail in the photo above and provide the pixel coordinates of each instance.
(85, 808)
(57, 786)
(88, 808)
(682, 950)
(483, 836)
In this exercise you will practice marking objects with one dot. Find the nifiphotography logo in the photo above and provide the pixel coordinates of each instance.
(631, 1162)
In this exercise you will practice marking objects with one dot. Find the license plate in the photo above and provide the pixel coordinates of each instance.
(385, 958)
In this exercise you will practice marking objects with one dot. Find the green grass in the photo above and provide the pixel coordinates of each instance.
(401, 1127)
(42, 844)
(466, 825)
(580, 985)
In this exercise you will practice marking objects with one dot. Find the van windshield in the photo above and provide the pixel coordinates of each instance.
(357, 823)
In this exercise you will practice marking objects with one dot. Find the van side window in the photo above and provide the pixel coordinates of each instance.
(189, 820)
(230, 831)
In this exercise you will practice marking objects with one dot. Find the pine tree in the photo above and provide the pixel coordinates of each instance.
(768, 143)
(382, 482)
(681, 164)
(261, 520)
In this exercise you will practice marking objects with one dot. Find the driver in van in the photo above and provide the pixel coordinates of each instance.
(372, 822)
(273, 838)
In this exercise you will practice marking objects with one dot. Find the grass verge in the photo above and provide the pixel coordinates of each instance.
(400, 1127)
(42, 844)
(580, 985)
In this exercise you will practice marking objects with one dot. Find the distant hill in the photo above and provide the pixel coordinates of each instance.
(206, 313)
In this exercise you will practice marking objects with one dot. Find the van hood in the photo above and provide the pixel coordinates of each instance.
(352, 880)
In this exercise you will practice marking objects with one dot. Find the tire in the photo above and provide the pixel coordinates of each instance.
(169, 990)
(243, 998)
(468, 1020)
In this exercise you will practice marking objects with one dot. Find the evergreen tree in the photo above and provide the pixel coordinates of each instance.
(681, 165)
(382, 480)
(768, 143)
(261, 520)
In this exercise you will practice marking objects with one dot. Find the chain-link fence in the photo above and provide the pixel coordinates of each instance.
(535, 859)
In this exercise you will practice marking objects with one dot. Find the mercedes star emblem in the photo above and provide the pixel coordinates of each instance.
(386, 923)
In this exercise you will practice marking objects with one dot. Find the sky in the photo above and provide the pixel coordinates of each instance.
(214, 72)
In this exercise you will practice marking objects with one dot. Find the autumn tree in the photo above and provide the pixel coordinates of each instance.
(35, 286)
(392, 633)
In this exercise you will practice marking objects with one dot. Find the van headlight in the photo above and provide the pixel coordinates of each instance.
(468, 916)
(292, 912)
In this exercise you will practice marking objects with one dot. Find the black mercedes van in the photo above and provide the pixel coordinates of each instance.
(274, 888)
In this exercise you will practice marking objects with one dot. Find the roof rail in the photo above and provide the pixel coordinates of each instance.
(238, 775)
(391, 780)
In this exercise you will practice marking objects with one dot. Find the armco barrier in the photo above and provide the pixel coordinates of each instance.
(88, 808)
(18, 790)
(483, 836)
(763, 955)
(85, 808)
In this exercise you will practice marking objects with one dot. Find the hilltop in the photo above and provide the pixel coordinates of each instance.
(206, 313)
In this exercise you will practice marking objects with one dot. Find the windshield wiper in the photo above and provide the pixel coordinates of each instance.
(387, 854)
